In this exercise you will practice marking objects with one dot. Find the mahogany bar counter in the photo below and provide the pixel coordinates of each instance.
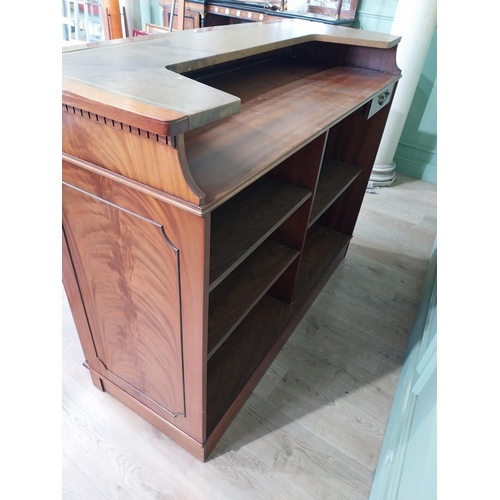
(212, 180)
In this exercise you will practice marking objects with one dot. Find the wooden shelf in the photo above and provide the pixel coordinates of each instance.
(236, 296)
(236, 361)
(232, 365)
(335, 178)
(243, 223)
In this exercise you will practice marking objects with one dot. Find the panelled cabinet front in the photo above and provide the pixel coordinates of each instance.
(193, 245)
(133, 262)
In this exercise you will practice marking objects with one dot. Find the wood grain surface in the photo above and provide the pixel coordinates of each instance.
(320, 99)
(127, 254)
(130, 279)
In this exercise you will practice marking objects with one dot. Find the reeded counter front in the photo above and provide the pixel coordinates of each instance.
(212, 180)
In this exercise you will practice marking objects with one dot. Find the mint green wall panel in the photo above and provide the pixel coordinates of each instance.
(376, 15)
(419, 475)
(407, 465)
(145, 7)
(416, 154)
(156, 13)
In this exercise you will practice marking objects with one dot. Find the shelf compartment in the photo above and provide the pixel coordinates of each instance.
(335, 178)
(322, 248)
(237, 295)
(235, 362)
(245, 221)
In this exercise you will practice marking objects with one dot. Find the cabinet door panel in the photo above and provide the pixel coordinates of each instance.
(128, 272)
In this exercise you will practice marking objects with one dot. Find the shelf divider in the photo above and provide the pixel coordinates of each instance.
(335, 178)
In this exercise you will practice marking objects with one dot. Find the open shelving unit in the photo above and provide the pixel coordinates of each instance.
(245, 317)
(253, 245)
(195, 243)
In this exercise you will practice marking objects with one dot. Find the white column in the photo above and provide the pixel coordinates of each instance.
(415, 21)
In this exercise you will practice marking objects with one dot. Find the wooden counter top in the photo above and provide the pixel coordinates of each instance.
(139, 82)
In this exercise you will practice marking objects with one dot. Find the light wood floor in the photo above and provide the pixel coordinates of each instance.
(314, 426)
